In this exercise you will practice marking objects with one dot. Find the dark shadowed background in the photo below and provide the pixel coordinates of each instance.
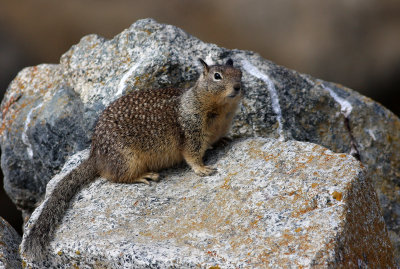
(352, 42)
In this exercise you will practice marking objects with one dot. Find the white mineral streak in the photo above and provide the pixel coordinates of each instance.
(254, 71)
(371, 133)
(345, 106)
(122, 82)
(28, 120)
(142, 56)
(25, 138)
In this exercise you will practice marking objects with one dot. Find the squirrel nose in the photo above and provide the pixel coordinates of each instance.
(236, 87)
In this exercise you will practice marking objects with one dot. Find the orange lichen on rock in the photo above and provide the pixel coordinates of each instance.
(337, 195)
(278, 220)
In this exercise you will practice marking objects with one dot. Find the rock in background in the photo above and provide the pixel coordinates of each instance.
(271, 204)
(9, 244)
(49, 111)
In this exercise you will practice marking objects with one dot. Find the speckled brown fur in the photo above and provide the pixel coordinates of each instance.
(143, 132)
(148, 130)
(138, 133)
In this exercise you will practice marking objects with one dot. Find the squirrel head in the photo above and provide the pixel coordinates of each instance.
(221, 82)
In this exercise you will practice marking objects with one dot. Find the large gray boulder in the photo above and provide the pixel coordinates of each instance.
(49, 111)
(9, 243)
(271, 204)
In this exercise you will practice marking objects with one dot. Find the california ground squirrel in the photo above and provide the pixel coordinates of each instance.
(143, 132)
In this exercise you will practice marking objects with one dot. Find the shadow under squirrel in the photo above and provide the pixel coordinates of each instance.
(141, 133)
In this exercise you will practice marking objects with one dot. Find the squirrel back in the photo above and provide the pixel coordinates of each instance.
(141, 133)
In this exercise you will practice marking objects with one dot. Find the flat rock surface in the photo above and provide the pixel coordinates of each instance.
(9, 243)
(49, 111)
(271, 204)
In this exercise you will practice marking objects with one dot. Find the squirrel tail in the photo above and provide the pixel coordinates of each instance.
(39, 231)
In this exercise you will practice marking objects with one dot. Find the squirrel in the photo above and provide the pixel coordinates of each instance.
(142, 132)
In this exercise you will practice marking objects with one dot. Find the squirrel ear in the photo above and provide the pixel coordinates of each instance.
(206, 67)
(229, 62)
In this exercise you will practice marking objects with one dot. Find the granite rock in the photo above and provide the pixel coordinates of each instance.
(49, 111)
(9, 243)
(271, 204)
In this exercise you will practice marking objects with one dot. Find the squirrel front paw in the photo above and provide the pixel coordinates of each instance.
(204, 170)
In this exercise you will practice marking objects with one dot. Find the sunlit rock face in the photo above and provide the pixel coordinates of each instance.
(271, 204)
(49, 111)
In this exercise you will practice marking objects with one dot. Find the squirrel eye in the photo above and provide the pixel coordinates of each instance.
(217, 76)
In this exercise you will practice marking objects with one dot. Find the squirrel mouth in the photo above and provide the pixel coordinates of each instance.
(235, 93)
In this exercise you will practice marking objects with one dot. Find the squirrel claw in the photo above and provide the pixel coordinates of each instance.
(142, 180)
(205, 171)
(151, 176)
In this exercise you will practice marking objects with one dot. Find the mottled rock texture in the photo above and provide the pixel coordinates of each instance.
(9, 243)
(49, 111)
(271, 204)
